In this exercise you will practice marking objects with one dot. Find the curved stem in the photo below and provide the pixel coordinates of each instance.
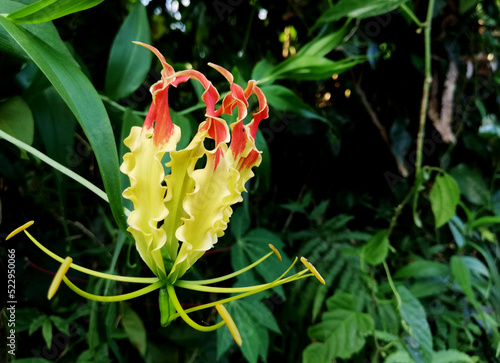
(114, 298)
(185, 317)
(393, 287)
(140, 280)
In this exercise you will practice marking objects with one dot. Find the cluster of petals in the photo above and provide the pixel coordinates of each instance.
(180, 215)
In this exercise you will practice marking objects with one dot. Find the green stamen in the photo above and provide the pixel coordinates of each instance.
(140, 280)
(114, 298)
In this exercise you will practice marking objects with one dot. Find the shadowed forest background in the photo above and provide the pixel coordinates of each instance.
(392, 193)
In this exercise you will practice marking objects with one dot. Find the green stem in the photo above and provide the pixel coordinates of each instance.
(114, 298)
(391, 284)
(423, 110)
(412, 15)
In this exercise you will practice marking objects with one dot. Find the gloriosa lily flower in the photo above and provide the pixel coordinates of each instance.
(179, 216)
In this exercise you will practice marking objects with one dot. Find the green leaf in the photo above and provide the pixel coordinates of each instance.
(32, 360)
(284, 100)
(461, 273)
(451, 356)
(56, 125)
(61, 324)
(422, 268)
(252, 247)
(311, 68)
(83, 100)
(399, 357)
(134, 327)
(342, 329)
(315, 353)
(254, 334)
(322, 45)
(129, 63)
(47, 332)
(16, 119)
(37, 323)
(358, 9)
(376, 249)
(47, 10)
(444, 197)
(471, 184)
(46, 31)
(413, 313)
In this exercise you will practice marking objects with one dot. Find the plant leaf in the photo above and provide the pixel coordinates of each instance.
(375, 250)
(128, 63)
(284, 100)
(134, 327)
(413, 313)
(83, 100)
(358, 9)
(16, 119)
(444, 197)
(47, 10)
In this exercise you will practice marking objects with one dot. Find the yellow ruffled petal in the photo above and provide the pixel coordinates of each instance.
(143, 166)
(204, 207)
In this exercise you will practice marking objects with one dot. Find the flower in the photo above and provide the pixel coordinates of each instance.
(179, 216)
(189, 206)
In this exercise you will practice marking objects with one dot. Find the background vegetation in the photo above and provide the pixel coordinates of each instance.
(387, 181)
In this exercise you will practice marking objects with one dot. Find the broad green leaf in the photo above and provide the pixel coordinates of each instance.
(284, 100)
(16, 119)
(47, 10)
(422, 268)
(358, 9)
(342, 329)
(134, 327)
(413, 313)
(129, 63)
(444, 197)
(83, 100)
(375, 250)
(471, 184)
